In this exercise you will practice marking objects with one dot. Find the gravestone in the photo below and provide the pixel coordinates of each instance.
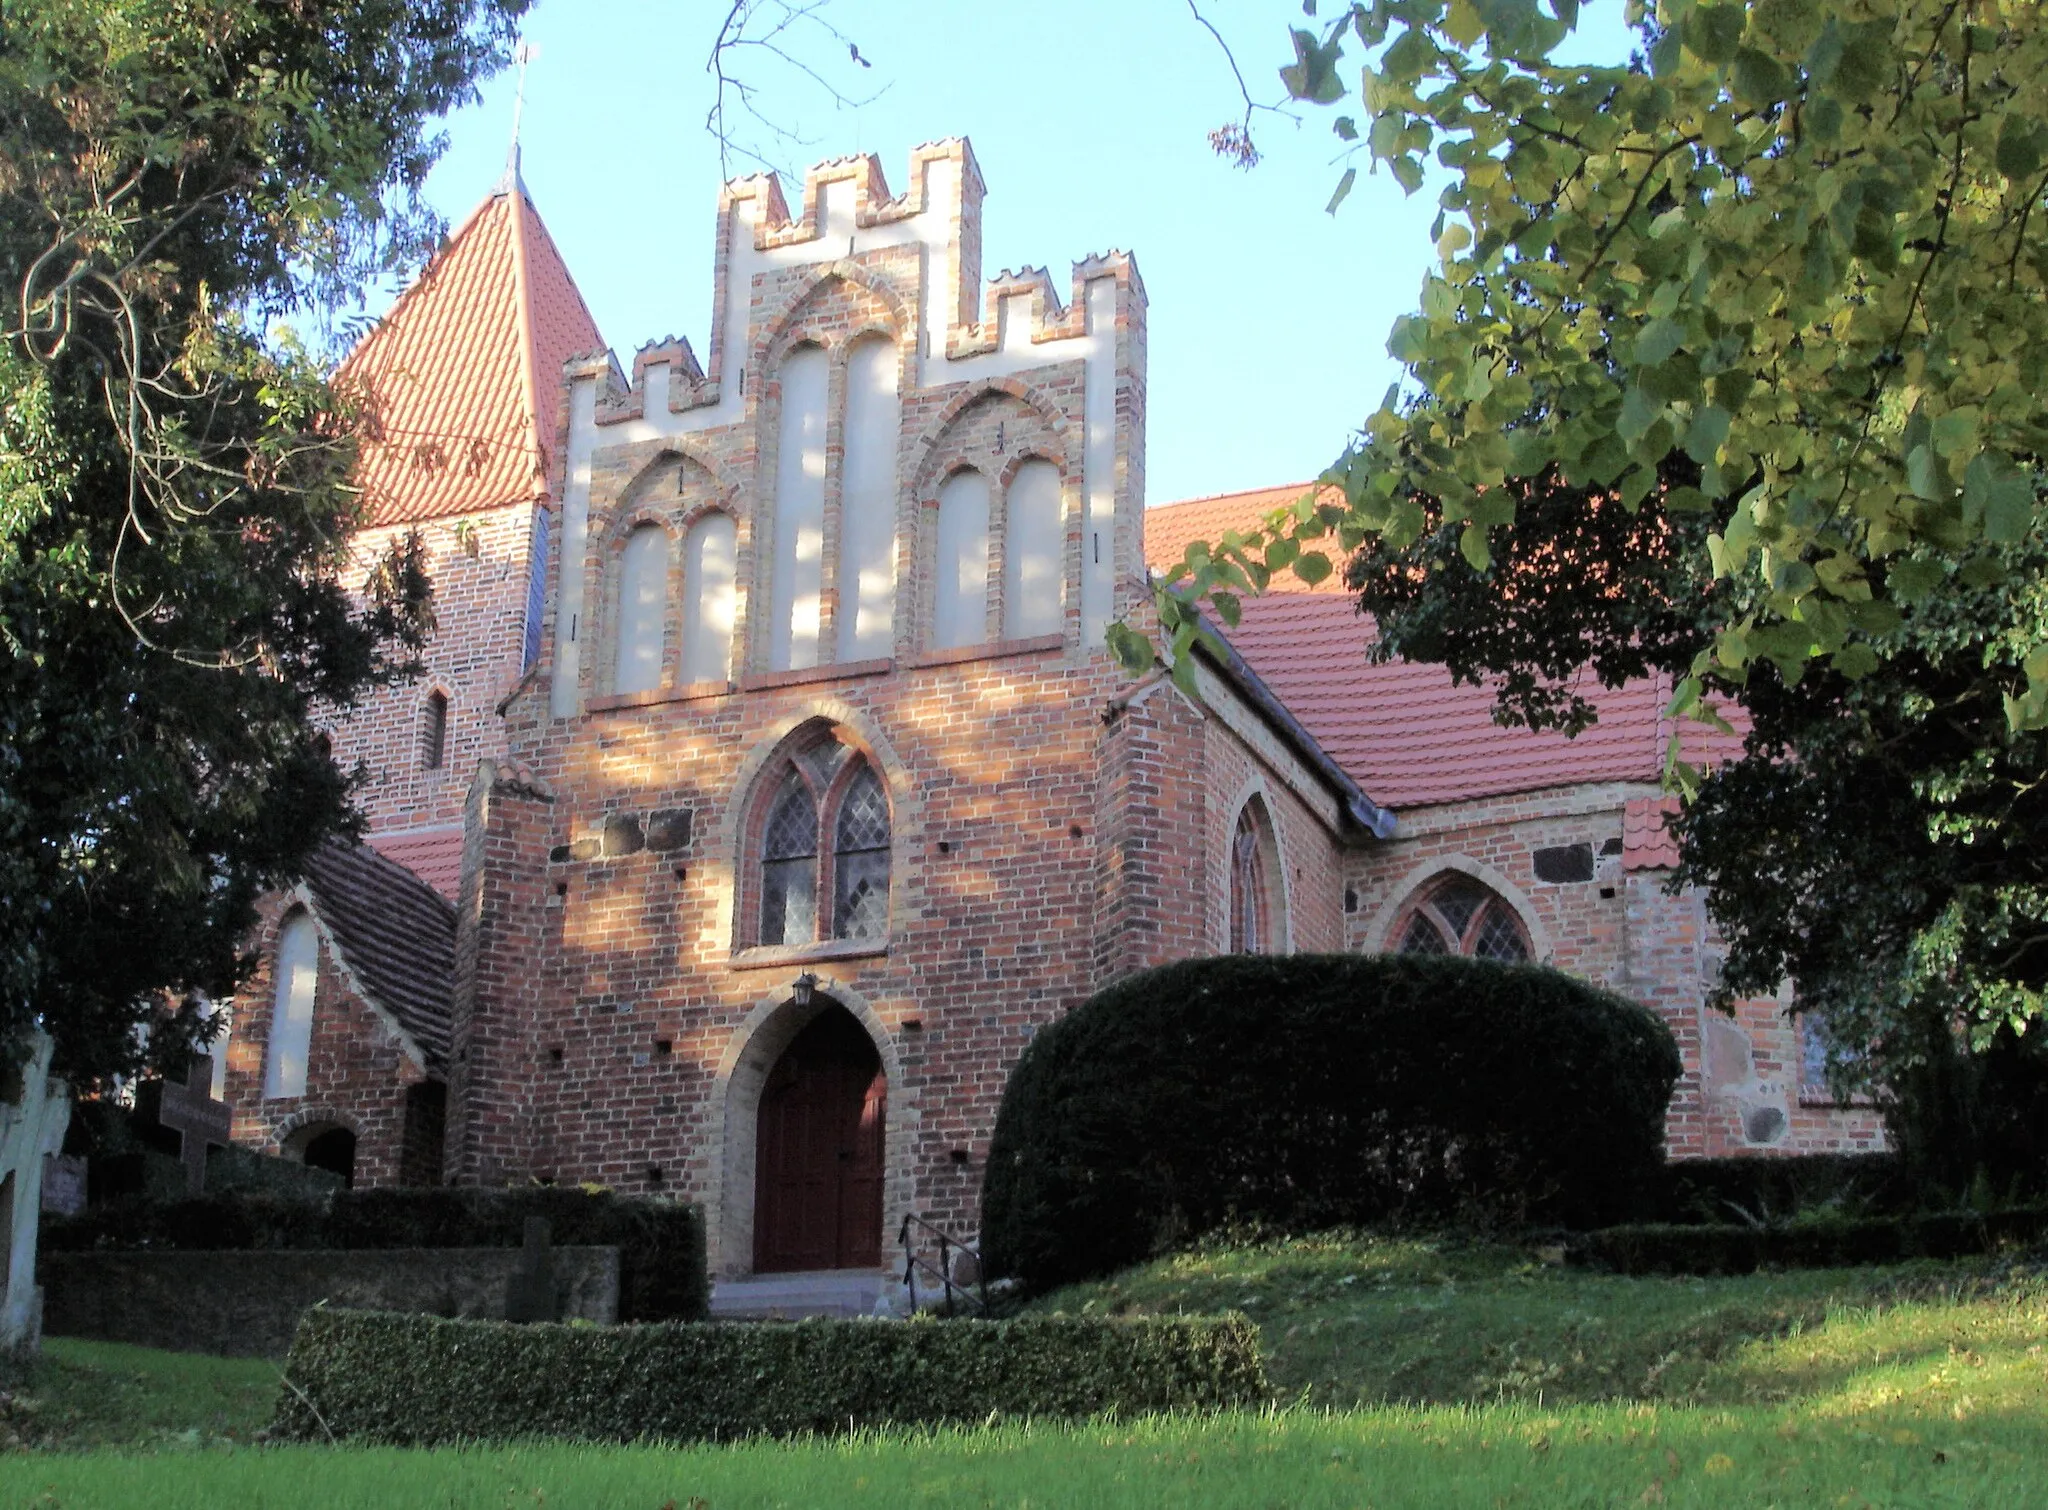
(64, 1184)
(531, 1294)
(187, 1108)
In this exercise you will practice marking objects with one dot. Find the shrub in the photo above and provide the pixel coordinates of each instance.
(1665, 1248)
(418, 1380)
(1307, 1091)
(1766, 1188)
(663, 1272)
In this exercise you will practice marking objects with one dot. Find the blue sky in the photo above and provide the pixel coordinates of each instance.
(1268, 318)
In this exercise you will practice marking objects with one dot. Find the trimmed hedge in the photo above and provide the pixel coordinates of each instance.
(418, 1380)
(1665, 1248)
(1308, 1091)
(663, 1273)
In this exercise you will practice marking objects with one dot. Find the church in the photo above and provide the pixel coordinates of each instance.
(768, 785)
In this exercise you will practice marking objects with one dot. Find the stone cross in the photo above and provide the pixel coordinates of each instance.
(189, 1110)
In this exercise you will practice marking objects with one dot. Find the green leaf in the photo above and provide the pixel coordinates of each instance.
(1760, 79)
(1342, 191)
(1472, 545)
(1638, 412)
(1407, 172)
(1713, 32)
(1912, 581)
(1923, 473)
(2019, 147)
(1704, 436)
(1312, 76)
(1657, 341)
(1312, 567)
(1133, 652)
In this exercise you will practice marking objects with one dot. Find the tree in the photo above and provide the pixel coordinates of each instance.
(1731, 370)
(176, 598)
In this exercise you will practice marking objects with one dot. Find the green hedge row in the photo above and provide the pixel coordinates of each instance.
(663, 1274)
(419, 1380)
(1661, 1248)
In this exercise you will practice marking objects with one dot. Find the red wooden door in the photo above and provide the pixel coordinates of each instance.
(818, 1154)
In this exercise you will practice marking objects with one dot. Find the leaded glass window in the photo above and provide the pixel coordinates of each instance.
(1458, 915)
(1248, 904)
(860, 860)
(789, 866)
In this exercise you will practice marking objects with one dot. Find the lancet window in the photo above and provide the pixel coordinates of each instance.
(295, 971)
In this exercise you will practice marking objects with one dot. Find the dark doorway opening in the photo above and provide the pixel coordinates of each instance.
(425, 1130)
(818, 1152)
(333, 1149)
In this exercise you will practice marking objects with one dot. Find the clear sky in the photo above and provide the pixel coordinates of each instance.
(1268, 318)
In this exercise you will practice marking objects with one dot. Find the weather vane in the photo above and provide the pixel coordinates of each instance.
(523, 54)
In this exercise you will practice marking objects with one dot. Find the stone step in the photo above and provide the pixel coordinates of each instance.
(829, 1292)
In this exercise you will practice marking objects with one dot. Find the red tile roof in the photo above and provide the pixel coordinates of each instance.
(1404, 731)
(432, 854)
(1645, 843)
(463, 377)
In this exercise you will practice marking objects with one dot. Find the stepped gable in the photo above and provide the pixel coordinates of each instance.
(394, 935)
(462, 377)
(1404, 731)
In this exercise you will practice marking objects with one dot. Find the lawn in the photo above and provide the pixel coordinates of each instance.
(1350, 1321)
(1907, 1386)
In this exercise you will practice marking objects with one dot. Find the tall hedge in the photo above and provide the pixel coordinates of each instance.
(663, 1271)
(1310, 1090)
(367, 1376)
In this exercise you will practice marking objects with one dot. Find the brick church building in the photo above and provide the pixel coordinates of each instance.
(768, 786)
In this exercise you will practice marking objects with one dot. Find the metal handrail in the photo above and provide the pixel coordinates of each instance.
(913, 1261)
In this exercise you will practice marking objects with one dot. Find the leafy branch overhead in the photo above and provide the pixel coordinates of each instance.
(1798, 246)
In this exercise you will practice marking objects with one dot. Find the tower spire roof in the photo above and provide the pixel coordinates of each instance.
(461, 380)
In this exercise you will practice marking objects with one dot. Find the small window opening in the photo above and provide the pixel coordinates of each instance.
(434, 732)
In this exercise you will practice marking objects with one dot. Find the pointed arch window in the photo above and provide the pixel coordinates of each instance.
(823, 856)
(1458, 915)
(295, 971)
(1250, 904)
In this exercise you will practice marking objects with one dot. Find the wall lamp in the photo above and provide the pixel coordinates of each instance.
(801, 989)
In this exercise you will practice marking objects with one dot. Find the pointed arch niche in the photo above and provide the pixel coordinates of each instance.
(993, 524)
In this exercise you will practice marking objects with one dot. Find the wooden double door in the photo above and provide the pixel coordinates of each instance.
(818, 1158)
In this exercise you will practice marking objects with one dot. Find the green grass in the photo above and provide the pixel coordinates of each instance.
(1350, 1321)
(1485, 1457)
(82, 1395)
(1909, 1386)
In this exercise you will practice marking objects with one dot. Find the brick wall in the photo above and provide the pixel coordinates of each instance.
(1622, 929)
(479, 564)
(357, 1065)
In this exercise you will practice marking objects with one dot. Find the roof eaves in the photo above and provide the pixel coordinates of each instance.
(1358, 807)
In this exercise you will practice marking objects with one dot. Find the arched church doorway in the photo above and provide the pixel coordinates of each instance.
(819, 1151)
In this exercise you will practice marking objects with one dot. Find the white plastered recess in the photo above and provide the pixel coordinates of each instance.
(1031, 333)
